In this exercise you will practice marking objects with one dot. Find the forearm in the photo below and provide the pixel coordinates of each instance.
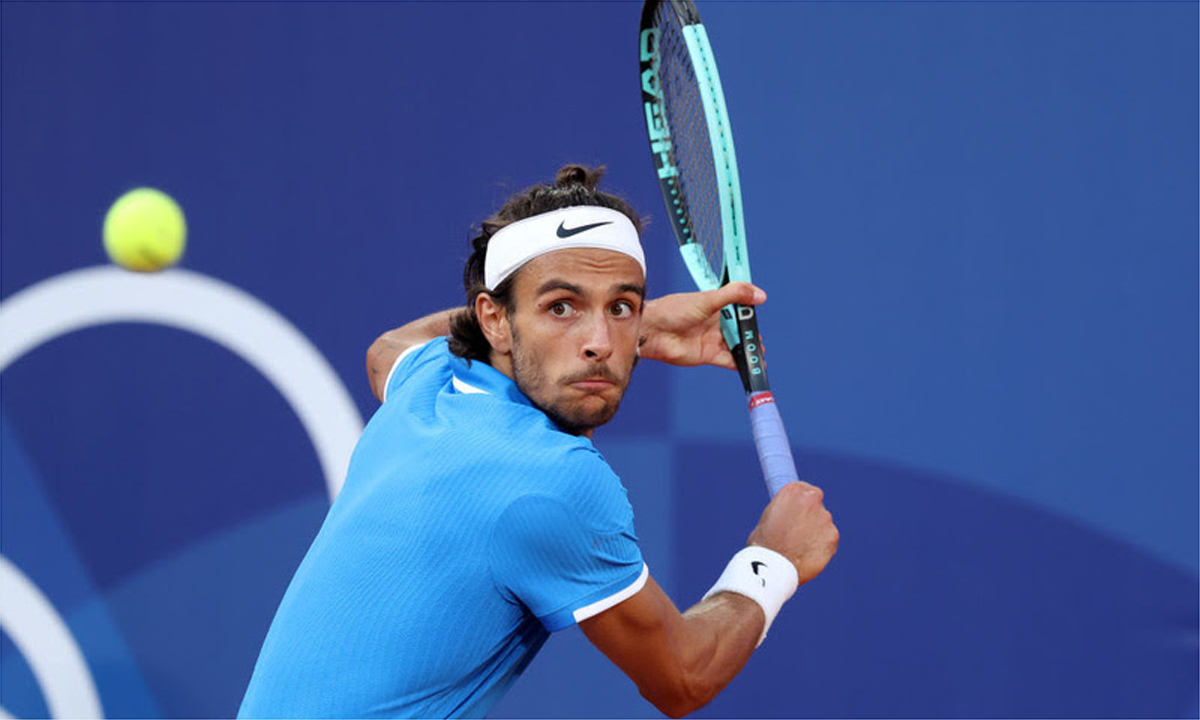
(679, 661)
(387, 347)
(714, 641)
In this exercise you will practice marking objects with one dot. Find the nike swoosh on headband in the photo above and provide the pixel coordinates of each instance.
(578, 226)
(563, 232)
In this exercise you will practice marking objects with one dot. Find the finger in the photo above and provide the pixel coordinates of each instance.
(740, 293)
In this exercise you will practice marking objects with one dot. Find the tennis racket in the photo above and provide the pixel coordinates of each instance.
(687, 125)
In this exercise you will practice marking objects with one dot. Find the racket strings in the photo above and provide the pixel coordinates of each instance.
(683, 110)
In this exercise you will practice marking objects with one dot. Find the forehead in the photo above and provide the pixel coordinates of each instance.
(589, 268)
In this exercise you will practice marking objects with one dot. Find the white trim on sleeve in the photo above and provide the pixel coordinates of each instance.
(407, 351)
(600, 606)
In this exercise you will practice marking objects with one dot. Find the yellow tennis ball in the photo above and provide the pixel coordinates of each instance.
(144, 230)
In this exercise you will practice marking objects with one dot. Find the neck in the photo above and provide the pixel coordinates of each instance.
(502, 362)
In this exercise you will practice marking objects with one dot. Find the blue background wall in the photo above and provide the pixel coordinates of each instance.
(977, 223)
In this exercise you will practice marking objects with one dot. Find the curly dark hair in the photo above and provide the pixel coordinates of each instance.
(573, 185)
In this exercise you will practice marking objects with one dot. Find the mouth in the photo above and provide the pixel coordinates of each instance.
(593, 384)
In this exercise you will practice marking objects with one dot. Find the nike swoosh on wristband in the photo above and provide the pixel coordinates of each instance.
(563, 232)
(754, 565)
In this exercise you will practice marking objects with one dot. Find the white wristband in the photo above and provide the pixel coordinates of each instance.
(764, 576)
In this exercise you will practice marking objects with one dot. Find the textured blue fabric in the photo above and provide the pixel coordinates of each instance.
(469, 527)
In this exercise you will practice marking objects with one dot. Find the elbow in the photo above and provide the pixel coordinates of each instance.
(376, 349)
(683, 697)
(680, 707)
(677, 710)
(378, 365)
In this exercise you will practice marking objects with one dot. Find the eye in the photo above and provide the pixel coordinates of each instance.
(621, 309)
(561, 309)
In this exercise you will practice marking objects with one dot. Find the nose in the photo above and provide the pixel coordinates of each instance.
(598, 339)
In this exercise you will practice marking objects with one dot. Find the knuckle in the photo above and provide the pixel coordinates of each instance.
(810, 493)
(785, 492)
(802, 487)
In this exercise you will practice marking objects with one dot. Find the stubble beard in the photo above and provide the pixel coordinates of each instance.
(529, 376)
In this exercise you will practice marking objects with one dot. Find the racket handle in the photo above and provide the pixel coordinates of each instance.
(778, 466)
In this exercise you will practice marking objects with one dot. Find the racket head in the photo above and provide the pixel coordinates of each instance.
(687, 124)
(691, 140)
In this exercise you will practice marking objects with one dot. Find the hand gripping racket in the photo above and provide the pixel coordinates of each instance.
(688, 128)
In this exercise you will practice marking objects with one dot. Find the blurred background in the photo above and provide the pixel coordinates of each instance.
(977, 223)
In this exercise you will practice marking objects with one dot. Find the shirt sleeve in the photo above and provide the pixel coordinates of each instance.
(563, 567)
(409, 360)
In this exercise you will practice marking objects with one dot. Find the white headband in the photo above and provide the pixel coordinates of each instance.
(580, 226)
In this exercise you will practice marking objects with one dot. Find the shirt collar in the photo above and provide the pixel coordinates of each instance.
(477, 377)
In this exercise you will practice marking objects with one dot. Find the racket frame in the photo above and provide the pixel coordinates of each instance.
(739, 323)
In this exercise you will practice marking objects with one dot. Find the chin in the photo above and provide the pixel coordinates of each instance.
(579, 420)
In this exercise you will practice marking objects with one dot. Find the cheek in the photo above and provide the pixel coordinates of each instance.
(628, 338)
(534, 366)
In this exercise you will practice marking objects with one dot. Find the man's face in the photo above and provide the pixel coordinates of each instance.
(575, 333)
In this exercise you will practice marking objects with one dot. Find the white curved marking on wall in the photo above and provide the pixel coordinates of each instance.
(44, 640)
(205, 306)
(188, 301)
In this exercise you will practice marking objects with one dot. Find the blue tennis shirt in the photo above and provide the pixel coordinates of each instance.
(468, 529)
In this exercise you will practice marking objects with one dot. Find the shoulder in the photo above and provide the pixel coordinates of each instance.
(407, 364)
(574, 475)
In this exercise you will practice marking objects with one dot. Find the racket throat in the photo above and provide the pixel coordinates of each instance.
(747, 348)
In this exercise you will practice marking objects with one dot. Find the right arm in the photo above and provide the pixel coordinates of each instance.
(680, 661)
(679, 329)
(387, 347)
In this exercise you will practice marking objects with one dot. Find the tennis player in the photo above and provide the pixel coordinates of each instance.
(477, 517)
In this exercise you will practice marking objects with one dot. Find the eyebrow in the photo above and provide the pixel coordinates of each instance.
(639, 290)
(556, 284)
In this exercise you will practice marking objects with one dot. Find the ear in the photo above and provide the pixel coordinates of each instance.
(493, 321)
